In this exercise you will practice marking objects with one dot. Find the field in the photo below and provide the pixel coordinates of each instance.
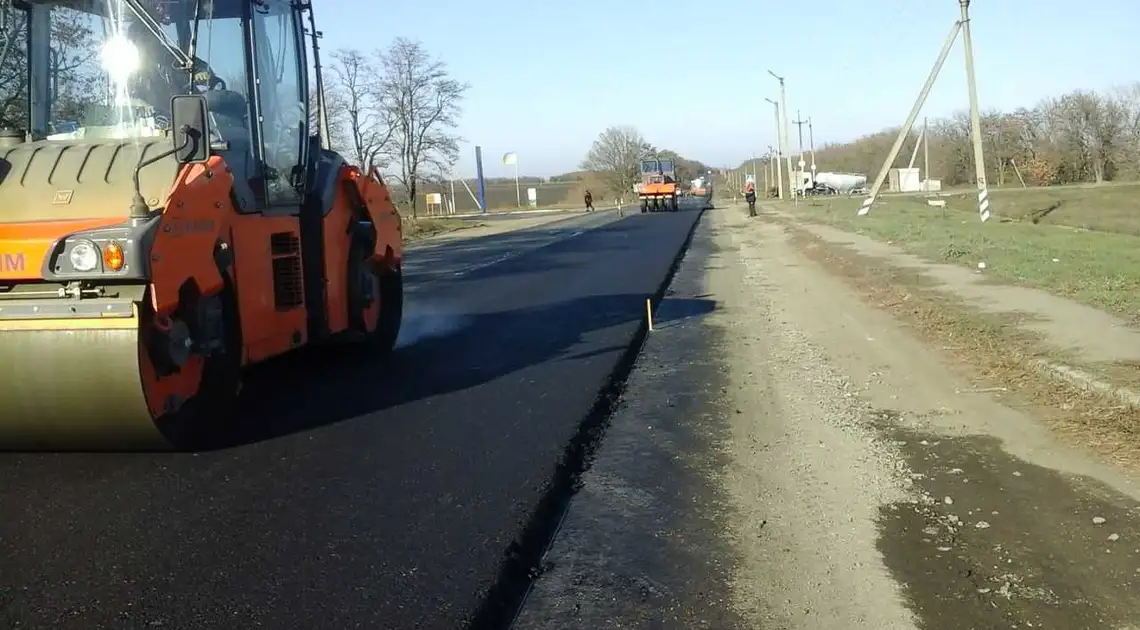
(503, 196)
(1081, 242)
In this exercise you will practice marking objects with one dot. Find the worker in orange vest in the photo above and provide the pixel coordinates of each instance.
(750, 197)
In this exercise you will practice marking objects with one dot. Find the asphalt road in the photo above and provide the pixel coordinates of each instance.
(360, 494)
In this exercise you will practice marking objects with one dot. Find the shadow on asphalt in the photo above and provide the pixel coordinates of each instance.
(320, 387)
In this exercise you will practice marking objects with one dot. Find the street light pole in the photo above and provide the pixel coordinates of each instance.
(779, 149)
(784, 129)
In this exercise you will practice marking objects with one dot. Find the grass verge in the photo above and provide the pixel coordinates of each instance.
(1087, 248)
(419, 229)
(1001, 354)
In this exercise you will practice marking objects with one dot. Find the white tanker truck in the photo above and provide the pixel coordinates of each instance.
(834, 183)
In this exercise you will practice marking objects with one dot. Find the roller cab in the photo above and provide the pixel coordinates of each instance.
(167, 219)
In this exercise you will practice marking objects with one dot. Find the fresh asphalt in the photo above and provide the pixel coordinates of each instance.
(359, 494)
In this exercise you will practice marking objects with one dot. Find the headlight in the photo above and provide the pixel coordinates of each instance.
(84, 257)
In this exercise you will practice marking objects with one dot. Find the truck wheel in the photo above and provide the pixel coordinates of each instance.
(644, 206)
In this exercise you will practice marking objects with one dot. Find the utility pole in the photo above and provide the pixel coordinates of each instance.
(784, 131)
(800, 128)
(926, 153)
(975, 116)
(771, 167)
(801, 163)
(963, 25)
(811, 147)
(779, 150)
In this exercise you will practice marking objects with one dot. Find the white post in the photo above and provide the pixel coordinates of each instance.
(784, 130)
(518, 193)
(779, 149)
(975, 116)
(452, 180)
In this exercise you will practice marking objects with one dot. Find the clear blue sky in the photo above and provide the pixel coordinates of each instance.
(548, 77)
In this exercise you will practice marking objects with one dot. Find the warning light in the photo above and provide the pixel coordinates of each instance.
(113, 257)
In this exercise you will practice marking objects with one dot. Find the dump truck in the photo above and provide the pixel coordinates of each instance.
(659, 188)
(180, 232)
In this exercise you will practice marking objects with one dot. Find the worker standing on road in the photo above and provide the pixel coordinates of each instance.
(589, 201)
(750, 197)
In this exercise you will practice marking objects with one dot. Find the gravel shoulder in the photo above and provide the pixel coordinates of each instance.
(797, 458)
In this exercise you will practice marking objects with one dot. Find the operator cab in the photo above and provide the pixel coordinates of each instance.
(100, 71)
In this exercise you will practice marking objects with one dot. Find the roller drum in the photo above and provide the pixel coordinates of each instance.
(74, 388)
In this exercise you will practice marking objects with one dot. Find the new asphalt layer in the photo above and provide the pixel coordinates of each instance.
(358, 494)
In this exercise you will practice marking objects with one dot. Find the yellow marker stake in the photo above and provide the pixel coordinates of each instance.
(649, 313)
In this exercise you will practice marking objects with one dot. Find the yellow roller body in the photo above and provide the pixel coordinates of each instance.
(75, 383)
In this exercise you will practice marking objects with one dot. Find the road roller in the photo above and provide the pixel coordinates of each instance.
(176, 221)
(659, 189)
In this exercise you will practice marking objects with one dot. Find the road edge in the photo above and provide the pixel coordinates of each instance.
(525, 557)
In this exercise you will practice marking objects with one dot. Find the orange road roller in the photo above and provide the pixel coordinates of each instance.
(174, 222)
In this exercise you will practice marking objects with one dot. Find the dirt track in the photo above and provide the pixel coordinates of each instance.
(849, 474)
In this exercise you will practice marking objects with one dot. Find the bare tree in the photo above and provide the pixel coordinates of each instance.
(353, 94)
(616, 157)
(73, 75)
(336, 114)
(423, 102)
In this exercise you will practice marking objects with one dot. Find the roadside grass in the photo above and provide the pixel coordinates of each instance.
(421, 228)
(1087, 247)
(999, 354)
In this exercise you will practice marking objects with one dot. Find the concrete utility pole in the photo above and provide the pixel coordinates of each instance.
(779, 150)
(784, 129)
(963, 25)
(800, 128)
(926, 154)
(800, 163)
(975, 116)
(811, 147)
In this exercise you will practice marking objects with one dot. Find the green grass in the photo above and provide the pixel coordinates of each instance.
(1087, 249)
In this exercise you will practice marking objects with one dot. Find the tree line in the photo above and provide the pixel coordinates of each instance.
(395, 109)
(1082, 136)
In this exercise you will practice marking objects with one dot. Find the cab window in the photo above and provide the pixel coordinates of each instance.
(281, 94)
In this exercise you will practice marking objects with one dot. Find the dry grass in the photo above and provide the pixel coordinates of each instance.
(419, 229)
(1000, 352)
(1085, 243)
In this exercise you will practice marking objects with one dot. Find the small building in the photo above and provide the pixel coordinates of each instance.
(904, 180)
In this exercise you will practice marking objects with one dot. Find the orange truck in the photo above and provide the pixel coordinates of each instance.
(659, 187)
(151, 253)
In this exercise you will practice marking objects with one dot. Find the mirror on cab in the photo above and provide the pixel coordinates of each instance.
(190, 124)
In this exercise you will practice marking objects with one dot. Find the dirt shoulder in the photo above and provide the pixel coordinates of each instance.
(1005, 524)
(1072, 364)
(801, 458)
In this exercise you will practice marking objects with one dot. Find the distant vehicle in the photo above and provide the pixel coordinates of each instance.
(659, 190)
(837, 184)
